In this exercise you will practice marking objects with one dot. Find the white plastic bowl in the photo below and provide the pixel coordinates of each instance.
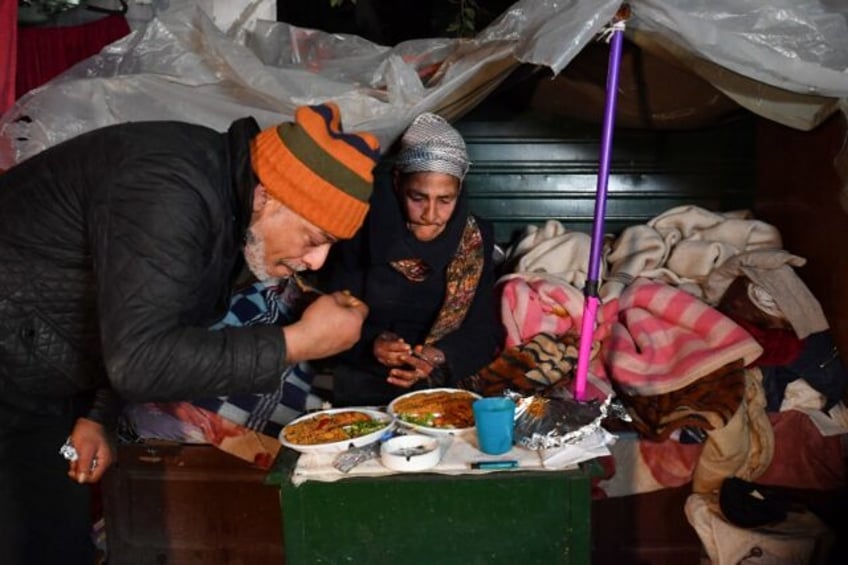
(411, 453)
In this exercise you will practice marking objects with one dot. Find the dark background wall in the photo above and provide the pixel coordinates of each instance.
(389, 22)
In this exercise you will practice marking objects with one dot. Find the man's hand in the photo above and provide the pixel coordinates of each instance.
(330, 325)
(94, 451)
(390, 349)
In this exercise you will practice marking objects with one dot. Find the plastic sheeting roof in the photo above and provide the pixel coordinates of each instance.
(786, 60)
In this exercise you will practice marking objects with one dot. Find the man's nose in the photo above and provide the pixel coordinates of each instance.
(316, 257)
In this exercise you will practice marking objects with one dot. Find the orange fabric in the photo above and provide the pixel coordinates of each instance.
(305, 187)
(295, 185)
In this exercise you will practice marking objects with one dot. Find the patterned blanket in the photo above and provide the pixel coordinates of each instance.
(682, 367)
(676, 362)
(654, 338)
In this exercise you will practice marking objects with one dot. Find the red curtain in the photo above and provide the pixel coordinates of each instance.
(8, 41)
(44, 52)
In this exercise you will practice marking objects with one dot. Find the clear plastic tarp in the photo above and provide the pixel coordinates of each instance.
(784, 59)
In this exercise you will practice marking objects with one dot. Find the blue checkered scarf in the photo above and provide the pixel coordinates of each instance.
(266, 304)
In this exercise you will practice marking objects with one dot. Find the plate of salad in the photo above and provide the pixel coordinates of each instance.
(435, 411)
(336, 430)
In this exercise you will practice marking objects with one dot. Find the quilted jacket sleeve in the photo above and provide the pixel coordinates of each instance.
(158, 235)
(106, 408)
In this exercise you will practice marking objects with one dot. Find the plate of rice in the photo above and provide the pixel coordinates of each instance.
(336, 430)
(435, 411)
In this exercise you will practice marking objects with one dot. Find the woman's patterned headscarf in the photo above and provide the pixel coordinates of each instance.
(432, 145)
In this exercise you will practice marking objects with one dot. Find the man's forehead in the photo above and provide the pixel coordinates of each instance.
(317, 232)
(314, 231)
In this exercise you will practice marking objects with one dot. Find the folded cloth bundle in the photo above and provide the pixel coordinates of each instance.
(775, 288)
(800, 537)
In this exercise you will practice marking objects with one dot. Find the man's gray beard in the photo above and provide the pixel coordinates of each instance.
(254, 256)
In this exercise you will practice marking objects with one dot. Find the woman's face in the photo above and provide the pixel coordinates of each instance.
(428, 201)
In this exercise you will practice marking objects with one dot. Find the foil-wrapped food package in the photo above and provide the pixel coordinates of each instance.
(549, 421)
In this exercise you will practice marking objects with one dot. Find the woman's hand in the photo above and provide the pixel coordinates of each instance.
(431, 354)
(93, 450)
(390, 349)
(419, 364)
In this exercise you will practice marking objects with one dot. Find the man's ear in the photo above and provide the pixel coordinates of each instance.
(260, 197)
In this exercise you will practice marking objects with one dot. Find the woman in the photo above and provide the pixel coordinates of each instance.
(423, 264)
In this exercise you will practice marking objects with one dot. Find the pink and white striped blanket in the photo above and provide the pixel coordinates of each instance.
(654, 338)
(664, 339)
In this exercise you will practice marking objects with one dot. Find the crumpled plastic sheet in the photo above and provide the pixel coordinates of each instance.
(178, 65)
(797, 45)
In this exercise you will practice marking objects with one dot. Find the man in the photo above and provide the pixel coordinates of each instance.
(118, 248)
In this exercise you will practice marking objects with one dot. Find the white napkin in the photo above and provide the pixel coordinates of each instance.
(459, 453)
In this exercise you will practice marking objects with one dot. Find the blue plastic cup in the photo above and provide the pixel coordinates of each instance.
(494, 418)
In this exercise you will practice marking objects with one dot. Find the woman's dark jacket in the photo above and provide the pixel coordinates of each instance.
(118, 248)
(407, 308)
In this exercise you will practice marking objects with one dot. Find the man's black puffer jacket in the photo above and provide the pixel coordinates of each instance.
(117, 249)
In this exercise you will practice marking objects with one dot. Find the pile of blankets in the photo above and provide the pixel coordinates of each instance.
(676, 339)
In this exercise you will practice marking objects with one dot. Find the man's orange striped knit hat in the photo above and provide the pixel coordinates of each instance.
(317, 170)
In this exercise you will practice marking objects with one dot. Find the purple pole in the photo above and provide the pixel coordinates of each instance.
(590, 309)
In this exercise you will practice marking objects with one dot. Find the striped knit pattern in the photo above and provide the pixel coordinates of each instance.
(317, 170)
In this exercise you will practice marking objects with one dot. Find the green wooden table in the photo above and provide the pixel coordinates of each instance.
(501, 517)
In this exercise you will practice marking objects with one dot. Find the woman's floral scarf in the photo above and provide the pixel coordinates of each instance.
(462, 277)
